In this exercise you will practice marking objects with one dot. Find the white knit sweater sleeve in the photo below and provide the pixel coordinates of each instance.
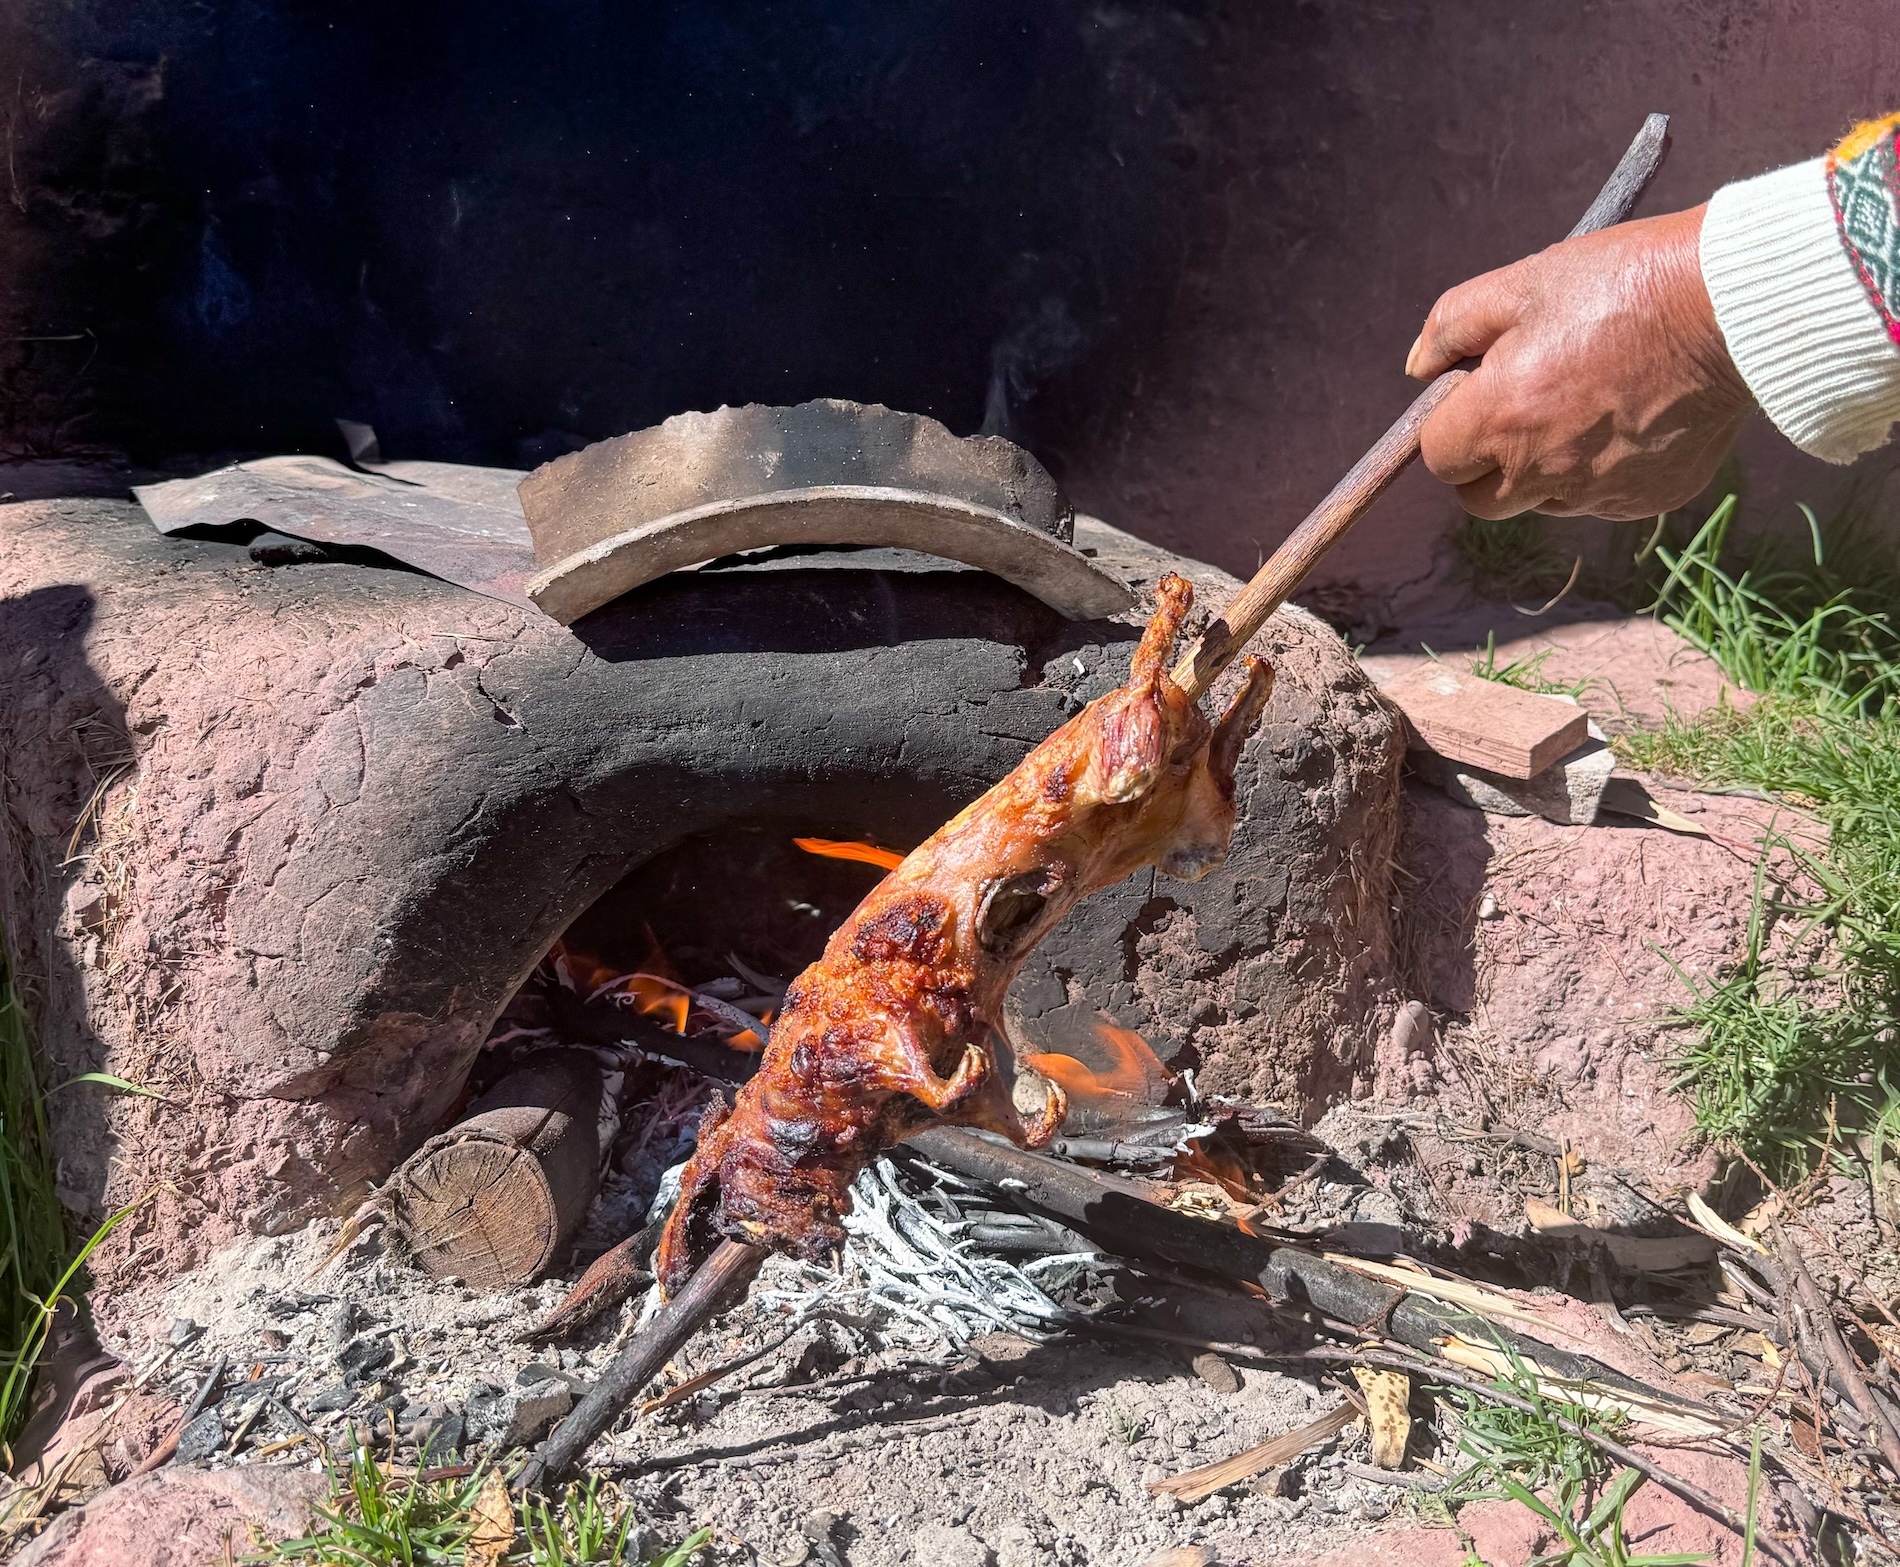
(1799, 324)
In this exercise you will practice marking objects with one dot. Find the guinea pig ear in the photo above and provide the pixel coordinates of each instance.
(1223, 751)
(1129, 757)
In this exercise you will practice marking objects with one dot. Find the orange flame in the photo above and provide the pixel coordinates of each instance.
(1134, 1069)
(654, 989)
(863, 853)
(1203, 1161)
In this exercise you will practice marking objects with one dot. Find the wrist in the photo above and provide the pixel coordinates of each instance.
(1689, 310)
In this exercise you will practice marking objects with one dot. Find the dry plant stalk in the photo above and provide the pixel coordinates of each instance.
(1196, 1484)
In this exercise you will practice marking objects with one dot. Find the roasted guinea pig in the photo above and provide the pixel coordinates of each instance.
(890, 1031)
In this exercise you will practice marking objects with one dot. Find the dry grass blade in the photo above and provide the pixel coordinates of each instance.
(1712, 1222)
(1638, 1253)
(1196, 1484)
(1477, 1298)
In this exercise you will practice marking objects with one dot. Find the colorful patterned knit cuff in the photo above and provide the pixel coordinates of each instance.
(1863, 179)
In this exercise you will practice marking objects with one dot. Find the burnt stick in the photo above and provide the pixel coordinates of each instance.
(1126, 1222)
(726, 1274)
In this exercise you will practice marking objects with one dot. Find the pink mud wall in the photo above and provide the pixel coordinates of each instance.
(1404, 148)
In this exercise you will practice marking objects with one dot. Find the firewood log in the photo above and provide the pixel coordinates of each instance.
(491, 1200)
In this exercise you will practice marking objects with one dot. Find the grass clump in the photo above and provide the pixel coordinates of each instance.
(1511, 556)
(1527, 673)
(32, 1224)
(379, 1519)
(1529, 1457)
(1801, 1033)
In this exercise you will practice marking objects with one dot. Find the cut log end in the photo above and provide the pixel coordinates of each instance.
(492, 1199)
(480, 1210)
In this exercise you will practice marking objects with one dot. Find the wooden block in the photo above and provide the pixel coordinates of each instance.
(1497, 727)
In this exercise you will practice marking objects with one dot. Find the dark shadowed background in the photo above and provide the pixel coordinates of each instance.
(1176, 249)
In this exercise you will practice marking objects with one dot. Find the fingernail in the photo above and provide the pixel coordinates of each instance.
(1411, 354)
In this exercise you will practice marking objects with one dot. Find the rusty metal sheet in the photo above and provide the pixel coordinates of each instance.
(461, 524)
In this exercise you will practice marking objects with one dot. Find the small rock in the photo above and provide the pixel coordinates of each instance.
(362, 1356)
(1488, 907)
(203, 1437)
(1283, 1481)
(820, 1526)
(339, 1396)
(184, 1330)
(1017, 1546)
(974, 1378)
(945, 1545)
(442, 1441)
(1216, 1373)
(280, 549)
(516, 1415)
(341, 1323)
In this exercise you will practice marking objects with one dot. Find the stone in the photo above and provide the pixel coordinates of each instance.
(183, 1331)
(442, 1439)
(946, 1545)
(1570, 792)
(361, 1357)
(340, 1395)
(1216, 1373)
(203, 1437)
(341, 1323)
(179, 1516)
(508, 1418)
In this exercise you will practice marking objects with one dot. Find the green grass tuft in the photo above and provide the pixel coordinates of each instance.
(1526, 674)
(1513, 556)
(33, 1242)
(376, 1519)
(1790, 1042)
(1528, 1457)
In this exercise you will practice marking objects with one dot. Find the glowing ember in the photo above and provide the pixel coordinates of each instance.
(863, 853)
(1134, 1073)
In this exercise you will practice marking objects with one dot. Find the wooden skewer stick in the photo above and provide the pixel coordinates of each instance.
(1275, 582)
(727, 1272)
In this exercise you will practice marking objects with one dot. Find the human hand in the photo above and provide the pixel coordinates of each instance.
(1606, 388)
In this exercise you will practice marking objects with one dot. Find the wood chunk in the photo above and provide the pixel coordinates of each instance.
(492, 1198)
(1496, 727)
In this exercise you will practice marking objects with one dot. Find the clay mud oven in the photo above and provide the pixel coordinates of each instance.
(318, 885)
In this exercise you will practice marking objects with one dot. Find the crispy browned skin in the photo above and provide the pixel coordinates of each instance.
(889, 1031)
